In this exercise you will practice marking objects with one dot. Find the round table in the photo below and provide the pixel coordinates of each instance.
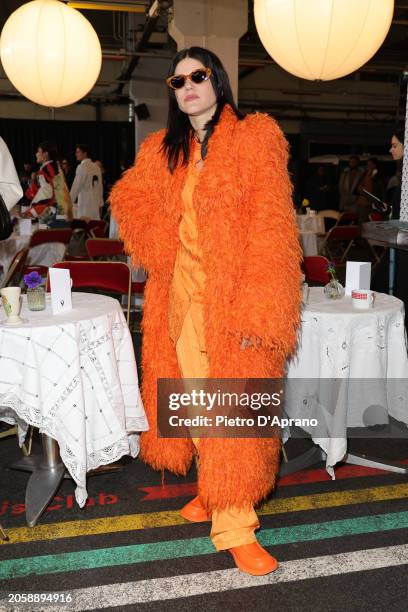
(73, 375)
(309, 228)
(356, 360)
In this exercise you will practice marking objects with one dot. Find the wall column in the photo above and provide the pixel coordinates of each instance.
(216, 25)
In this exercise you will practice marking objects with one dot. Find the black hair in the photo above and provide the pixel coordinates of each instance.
(50, 148)
(84, 148)
(177, 141)
(399, 132)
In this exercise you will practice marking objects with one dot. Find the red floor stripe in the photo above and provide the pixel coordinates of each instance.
(306, 476)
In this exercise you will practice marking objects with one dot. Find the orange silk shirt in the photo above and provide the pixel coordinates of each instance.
(187, 287)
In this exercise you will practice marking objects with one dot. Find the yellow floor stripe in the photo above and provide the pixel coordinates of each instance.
(133, 522)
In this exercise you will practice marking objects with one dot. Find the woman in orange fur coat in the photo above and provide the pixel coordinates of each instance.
(207, 210)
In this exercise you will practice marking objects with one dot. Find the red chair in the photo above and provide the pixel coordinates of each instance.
(97, 232)
(62, 235)
(104, 248)
(108, 249)
(97, 228)
(315, 269)
(348, 218)
(376, 216)
(110, 276)
(339, 240)
(51, 235)
(15, 271)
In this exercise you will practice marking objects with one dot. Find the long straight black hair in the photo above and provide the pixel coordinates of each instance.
(177, 141)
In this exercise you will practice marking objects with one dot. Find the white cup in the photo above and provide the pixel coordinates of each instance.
(11, 303)
(362, 299)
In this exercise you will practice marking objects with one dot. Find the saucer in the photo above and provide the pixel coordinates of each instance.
(7, 324)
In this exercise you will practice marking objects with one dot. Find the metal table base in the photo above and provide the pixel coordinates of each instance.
(316, 454)
(47, 474)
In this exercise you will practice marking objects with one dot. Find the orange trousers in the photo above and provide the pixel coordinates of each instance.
(233, 526)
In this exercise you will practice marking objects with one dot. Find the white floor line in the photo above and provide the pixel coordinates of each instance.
(175, 587)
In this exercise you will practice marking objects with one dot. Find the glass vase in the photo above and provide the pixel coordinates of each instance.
(36, 298)
(334, 290)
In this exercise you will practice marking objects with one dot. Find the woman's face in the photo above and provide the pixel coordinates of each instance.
(397, 149)
(41, 156)
(194, 99)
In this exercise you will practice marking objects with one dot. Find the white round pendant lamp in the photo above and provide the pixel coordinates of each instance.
(322, 39)
(50, 53)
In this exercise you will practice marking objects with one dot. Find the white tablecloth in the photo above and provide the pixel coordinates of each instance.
(74, 376)
(309, 228)
(310, 223)
(43, 254)
(9, 247)
(340, 343)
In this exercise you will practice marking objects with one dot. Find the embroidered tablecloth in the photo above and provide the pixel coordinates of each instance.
(346, 347)
(74, 376)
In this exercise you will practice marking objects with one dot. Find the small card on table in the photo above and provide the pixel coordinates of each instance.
(60, 282)
(358, 276)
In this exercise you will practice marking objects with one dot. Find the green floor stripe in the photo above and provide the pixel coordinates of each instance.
(176, 549)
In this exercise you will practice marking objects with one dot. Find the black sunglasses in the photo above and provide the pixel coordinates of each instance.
(197, 76)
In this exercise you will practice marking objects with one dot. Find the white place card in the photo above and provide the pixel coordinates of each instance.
(358, 275)
(24, 227)
(60, 282)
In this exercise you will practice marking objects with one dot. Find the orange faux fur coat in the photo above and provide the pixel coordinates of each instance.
(251, 258)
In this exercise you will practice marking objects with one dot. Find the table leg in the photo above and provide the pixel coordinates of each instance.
(374, 462)
(47, 474)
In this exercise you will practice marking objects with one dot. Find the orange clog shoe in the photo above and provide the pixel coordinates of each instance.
(253, 559)
(194, 511)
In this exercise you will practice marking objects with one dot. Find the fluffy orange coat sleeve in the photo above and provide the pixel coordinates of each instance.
(271, 273)
(136, 199)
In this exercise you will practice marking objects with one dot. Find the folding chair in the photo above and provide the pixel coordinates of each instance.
(97, 232)
(56, 253)
(105, 249)
(315, 269)
(341, 237)
(333, 215)
(51, 235)
(110, 276)
(15, 271)
(97, 228)
(348, 218)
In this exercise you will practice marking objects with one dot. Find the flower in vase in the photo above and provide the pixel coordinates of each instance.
(33, 280)
(331, 269)
(305, 203)
(333, 290)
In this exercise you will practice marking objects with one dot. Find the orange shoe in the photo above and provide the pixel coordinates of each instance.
(194, 511)
(253, 559)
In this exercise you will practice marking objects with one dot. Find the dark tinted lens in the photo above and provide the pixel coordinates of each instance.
(177, 82)
(198, 76)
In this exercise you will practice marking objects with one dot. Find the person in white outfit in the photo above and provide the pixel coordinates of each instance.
(10, 188)
(87, 188)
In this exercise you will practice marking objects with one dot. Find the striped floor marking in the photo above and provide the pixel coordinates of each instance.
(174, 587)
(177, 549)
(134, 522)
(343, 472)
